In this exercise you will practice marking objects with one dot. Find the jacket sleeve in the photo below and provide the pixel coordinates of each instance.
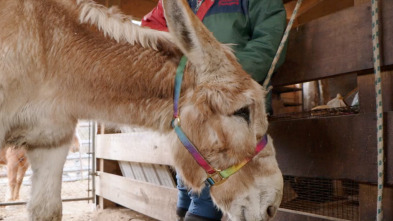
(155, 19)
(268, 22)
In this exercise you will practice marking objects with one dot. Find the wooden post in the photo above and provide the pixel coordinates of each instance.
(310, 95)
(368, 193)
(106, 166)
(368, 202)
(109, 167)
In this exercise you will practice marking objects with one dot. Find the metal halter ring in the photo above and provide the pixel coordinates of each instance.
(176, 122)
(215, 178)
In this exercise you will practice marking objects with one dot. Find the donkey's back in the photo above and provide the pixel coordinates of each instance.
(27, 98)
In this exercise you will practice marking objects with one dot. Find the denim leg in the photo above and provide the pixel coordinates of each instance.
(202, 205)
(183, 199)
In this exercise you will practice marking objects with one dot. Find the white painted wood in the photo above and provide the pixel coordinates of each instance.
(155, 201)
(150, 174)
(126, 170)
(138, 172)
(165, 175)
(154, 173)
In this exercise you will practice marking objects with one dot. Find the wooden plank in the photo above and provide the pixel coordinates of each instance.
(165, 176)
(139, 8)
(154, 201)
(285, 215)
(388, 147)
(143, 147)
(387, 90)
(310, 95)
(368, 202)
(322, 9)
(358, 2)
(367, 92)
(104, 166)
(150, 174)
(138, 171)
(126, 169)
(306, 6)
(332, 147)
(335, 44)
(313, 9)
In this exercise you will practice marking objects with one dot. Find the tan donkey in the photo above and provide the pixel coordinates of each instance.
(17, 164)
(64, 60)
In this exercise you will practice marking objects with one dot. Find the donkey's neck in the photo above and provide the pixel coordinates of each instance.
(128, 84)
(117, 82)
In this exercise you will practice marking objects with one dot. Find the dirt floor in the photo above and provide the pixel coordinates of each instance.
(72, 210)
(77, 211)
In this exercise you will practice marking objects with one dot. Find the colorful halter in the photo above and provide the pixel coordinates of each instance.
(215, 176)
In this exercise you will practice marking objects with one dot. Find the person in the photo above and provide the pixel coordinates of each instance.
(254, 28)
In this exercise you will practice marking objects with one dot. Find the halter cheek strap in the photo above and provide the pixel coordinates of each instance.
(215, 176)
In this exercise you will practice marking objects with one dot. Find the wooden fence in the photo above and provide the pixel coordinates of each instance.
(147, 184)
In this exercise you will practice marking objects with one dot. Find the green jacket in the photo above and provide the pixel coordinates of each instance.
(255, 26)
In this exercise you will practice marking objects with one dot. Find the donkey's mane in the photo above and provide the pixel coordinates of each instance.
(118, 26)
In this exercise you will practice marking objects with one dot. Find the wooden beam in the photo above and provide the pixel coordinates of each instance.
(358, 2)
(292, 215)
(368, 202)
(108, 167)
(335, 44)
(341, 147)
(155, 201)
(142, 147)
(322, 9)
(306, 5)
(367, 92)
(137, 8)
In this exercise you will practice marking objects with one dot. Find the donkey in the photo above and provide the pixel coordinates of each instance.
(17, 164)
(61, 61)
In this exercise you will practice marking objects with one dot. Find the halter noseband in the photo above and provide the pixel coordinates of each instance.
(214, 176)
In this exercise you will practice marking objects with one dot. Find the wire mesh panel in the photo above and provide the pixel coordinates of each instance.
(77, 181)
(328, 112)
(326, 197)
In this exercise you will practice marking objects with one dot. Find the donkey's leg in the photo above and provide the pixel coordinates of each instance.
(12, 173)
(47, 165)
(19, 180)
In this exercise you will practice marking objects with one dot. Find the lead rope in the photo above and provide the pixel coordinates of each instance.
(281, 47)
(379, 107)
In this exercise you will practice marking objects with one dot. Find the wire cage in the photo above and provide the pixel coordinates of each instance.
(328, 112)
(325, 197)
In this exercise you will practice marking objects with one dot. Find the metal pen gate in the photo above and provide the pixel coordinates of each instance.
(78, 183)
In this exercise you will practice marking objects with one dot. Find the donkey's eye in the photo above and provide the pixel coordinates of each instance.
(243, 113)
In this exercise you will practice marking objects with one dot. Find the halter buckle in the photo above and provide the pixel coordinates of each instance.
(175, 122)
(215, 178)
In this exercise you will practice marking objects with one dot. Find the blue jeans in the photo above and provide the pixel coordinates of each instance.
(197, 204)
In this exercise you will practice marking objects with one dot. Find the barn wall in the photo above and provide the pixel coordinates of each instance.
(136, 8)
(338, 147)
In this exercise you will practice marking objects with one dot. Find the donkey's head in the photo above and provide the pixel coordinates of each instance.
(224, 116)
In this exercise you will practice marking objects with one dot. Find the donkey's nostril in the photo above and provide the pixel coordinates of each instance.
(271, 211)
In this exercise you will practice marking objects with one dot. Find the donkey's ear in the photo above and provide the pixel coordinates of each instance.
(190, 35)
